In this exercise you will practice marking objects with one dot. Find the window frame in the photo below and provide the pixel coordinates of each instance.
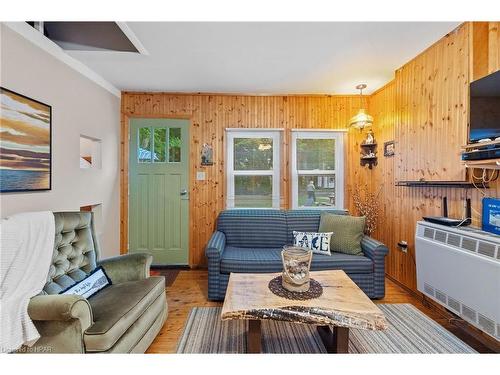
(338, 136)
(275, 172)
(152, 145)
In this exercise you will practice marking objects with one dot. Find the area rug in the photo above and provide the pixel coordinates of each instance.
(169, 274)
(410, 331)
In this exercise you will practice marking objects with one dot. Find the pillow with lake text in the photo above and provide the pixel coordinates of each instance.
(319, 243)
(94, 282)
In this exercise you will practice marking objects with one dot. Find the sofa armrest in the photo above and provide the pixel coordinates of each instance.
(61, 321)
(213, 251)
(215, 247)
(376, 251)
(373, 248)
(128, 267)
(57, 307)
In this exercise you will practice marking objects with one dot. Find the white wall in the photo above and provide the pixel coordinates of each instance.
(79, 106)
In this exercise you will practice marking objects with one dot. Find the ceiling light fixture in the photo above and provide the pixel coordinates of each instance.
(362, 119)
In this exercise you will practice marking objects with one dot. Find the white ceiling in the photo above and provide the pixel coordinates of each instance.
(264, 58)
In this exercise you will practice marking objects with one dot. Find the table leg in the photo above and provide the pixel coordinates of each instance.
(254, 336)
(336, 341)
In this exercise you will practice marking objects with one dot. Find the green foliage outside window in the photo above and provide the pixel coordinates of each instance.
(159, 143)
(315, 154)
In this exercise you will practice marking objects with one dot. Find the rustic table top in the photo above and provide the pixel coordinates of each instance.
(342, 303)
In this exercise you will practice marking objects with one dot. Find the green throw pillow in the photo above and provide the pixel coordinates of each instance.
(347, 232)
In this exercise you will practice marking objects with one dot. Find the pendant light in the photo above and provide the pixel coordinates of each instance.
(362, 119)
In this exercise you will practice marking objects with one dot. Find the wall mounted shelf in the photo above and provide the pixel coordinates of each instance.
(448, 184)
(369, 145)
(368, 154)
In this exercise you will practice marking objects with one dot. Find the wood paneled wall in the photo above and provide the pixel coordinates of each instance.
(425, 110)
(484, 48)
(432, 97)
(210, 115)
(493, 46)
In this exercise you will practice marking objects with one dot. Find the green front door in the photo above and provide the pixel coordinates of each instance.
(159, 189)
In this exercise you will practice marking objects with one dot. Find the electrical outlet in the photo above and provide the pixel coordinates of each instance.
(403, 246)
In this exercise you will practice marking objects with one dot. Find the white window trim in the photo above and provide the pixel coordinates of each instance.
(275, 134)
(338, 136)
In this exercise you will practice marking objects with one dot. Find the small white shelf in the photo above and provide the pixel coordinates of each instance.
(483, 164)
(90, 152)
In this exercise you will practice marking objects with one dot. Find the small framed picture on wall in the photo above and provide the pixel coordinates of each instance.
(207, 154)
(389, 148)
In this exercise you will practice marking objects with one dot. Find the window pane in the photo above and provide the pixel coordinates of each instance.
(253, 154)
(317, 190)
(144, 145)
(316, 154)
(174, 145)
(253, 191)
(160, 145)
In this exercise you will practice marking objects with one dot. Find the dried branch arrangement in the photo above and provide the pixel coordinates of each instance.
(367, 205)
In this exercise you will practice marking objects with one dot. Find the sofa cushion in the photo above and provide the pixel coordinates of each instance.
(93, 283)
(347, 232)
(259, 260)
(117, 307)
(253, 228)
(318, 243)
(306, 220)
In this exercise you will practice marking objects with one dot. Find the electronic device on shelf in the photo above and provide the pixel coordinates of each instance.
(451, 222)
(482, 152)
(485, 109)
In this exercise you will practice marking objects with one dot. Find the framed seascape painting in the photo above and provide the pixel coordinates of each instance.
(25, 143)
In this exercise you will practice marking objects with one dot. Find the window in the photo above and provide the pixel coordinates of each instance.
(253, 163)
(317, 169)
(158, 145)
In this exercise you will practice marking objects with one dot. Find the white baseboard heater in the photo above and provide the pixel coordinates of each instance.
(459, 268)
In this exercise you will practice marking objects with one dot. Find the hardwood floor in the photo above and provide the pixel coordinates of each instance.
(190, 290)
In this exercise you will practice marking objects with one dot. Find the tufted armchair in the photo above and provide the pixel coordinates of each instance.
(124, 317)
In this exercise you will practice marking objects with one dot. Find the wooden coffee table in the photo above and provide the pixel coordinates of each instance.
(341, 306)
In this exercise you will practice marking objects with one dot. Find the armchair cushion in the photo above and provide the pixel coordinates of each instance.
(117, 308)
(128, 267)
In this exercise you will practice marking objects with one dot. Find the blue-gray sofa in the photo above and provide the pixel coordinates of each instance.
(251, 240)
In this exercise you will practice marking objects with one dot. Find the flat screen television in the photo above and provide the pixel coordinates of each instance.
(485, 108)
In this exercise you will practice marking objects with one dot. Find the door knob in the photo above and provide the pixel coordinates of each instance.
(184, 192)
